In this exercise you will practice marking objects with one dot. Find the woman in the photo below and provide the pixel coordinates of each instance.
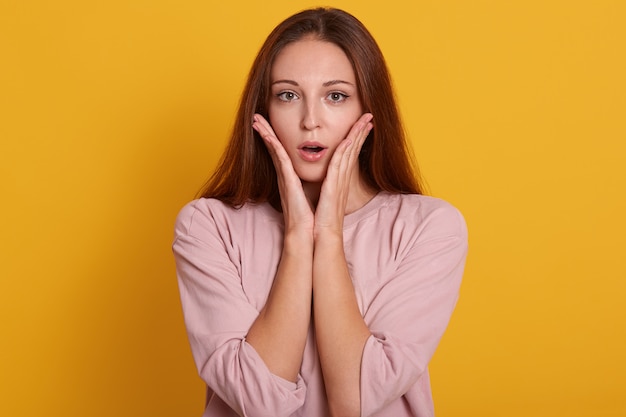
(315, 278)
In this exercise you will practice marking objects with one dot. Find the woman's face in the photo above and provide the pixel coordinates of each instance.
(313, 104)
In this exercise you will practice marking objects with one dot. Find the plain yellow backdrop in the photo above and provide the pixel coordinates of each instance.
(114, 113)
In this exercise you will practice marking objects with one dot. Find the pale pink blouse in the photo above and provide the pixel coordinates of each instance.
(405, 254)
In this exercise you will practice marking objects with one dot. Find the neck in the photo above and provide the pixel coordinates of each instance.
(312, 191)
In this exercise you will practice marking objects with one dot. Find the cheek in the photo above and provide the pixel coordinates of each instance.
(286, 126)
(279, 129)
(343, 125)
(347, 116)
(277, 123)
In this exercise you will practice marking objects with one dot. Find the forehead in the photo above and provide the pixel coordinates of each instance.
(312, 59)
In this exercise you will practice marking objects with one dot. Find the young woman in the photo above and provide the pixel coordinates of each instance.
(315, 278)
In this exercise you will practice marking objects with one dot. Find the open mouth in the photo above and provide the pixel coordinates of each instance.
(312, 149)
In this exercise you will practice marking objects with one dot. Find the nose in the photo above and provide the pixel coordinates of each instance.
(310, 117)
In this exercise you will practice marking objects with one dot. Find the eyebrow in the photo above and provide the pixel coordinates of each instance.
(326, 84)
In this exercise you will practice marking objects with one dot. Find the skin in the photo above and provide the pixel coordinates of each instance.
(314, 101)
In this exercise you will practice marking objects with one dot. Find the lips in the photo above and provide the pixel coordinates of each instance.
(312, 151)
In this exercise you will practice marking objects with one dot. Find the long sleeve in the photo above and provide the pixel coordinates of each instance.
(405, 255)
(218, 310)
(411, 307)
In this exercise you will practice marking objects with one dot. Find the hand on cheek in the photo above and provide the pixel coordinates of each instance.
(296, 208)
(331, 207)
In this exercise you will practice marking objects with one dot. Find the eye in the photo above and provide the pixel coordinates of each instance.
(286, 96)
(337, 97)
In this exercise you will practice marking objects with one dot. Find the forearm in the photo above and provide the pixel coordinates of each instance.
(279, 333)
(340, 330)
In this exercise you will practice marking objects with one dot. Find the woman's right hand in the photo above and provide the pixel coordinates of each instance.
(296, 207)
(280, 331)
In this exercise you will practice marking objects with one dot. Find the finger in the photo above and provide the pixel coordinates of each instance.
(289, 183)
(357, 134)
(360, 130)
(264, 129)
(362, 137)
(293, 200)
(348, 150)
(274, 146)
(359, 125)
(339, 157)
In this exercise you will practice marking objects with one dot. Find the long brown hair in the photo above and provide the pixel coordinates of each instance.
(246, 172)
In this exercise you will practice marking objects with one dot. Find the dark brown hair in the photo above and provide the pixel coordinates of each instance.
(246, 172)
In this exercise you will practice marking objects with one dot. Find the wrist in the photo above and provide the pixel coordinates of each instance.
(328, 236)
(298, 241)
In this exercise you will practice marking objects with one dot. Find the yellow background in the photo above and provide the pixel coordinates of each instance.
(113, 114)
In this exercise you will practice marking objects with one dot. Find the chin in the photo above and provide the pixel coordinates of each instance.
(312, 176)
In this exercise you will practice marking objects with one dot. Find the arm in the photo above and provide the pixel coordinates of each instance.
(412, 308)
(218, 315)
(370, 361)
(340, 330)
(280, 331)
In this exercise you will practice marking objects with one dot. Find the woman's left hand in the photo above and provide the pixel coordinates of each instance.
(331, 207)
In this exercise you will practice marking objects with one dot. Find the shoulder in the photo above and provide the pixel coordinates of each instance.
(199, 216)
(430, 215)
(196, 213)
